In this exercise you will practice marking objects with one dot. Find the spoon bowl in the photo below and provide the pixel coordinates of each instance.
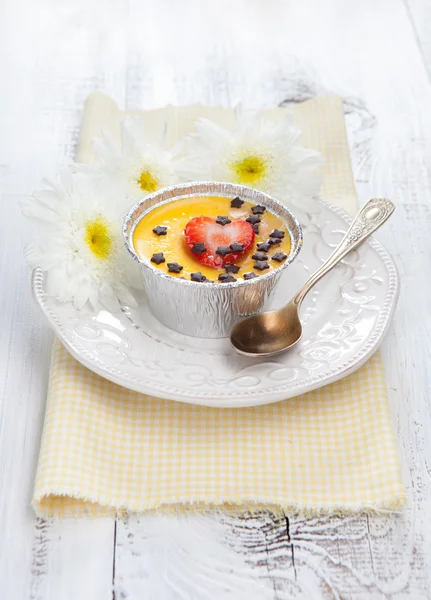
(275, 331)
(268, 333)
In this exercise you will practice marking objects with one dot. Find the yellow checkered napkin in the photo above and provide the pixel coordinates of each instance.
(107, 449)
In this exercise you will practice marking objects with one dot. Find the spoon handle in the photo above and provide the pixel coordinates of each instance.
(369, 218)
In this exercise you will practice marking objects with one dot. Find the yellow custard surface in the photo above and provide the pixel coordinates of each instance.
(175, 216)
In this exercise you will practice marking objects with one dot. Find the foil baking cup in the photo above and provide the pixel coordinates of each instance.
(207, 310)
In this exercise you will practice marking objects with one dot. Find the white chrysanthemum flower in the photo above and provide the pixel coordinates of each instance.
(256, 152)
(141, 165)
(81, 248)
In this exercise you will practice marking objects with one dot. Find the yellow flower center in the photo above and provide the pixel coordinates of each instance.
(251, 168)
(98, 238)
(147, 182)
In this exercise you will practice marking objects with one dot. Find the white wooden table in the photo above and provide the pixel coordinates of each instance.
(377, 55)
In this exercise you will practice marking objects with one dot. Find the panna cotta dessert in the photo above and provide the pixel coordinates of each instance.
(212, 239)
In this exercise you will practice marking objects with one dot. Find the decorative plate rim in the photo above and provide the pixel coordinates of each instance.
(240, 398)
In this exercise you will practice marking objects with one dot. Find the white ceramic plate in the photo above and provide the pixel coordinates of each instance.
(345, 318)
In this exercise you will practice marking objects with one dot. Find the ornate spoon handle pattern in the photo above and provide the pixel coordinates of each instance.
(370, 218)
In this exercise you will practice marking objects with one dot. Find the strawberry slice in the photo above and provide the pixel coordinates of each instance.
(204, 230)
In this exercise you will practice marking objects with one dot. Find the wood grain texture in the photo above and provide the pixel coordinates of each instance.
(419, 13)
(48, 64)
(264, 54)
(72, 559)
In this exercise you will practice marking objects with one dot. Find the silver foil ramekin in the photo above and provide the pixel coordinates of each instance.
(207, 310)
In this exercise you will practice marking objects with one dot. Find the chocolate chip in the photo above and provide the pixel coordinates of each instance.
(223, 250)
(258, 209)
(160, 230)
(259, 256)
(223, 220)
(273, 241)
(279, 257)
(277, 234)
(264, 246)
(174, 268)
(236, 247)
(237, 202)
(253, 219)
(158, 258)
(226, 278)
(249, 275)
(256, 228)
(198, 248)
(231, 268)
(260, 265)
(198, 277)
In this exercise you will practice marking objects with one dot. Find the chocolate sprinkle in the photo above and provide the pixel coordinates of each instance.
(223, 250)
(259, 256)
(273, 241)
(160, 230)
(277, 234)
(236, 247)
(260, 265)
(174, 268)
(253, 219)
(256, 228)
(249, 275)
(226, 278)
(264, 246)
(198, 248)
(279, 257)
(258, 209)
(237, 202)
(231, 268)
(158, 258)
(223, 220)
(198, 277)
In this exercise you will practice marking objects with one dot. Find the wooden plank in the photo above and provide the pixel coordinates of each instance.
(72, 559)
(193, 556)
(52, 56)
(419, 13)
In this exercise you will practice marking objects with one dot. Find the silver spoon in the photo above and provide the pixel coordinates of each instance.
(275, 331)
